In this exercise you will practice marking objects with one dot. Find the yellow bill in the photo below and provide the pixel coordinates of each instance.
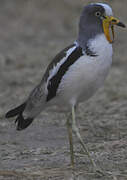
(108, 26)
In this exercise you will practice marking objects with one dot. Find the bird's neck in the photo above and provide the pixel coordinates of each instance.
(98, 45)
(88, 31)
(84, 38)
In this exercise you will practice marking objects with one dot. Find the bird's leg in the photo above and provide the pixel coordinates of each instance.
(69, 128)
(76, 131)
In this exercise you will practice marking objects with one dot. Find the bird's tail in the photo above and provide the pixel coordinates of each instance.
(20, 121)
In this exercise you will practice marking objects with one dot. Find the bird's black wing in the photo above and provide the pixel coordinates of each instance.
(55, 79)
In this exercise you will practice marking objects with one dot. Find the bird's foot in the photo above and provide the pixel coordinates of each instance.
(99, 172)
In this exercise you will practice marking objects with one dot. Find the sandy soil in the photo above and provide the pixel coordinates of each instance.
(31, 33)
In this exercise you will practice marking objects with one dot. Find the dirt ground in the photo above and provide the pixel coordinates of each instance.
(31, 33)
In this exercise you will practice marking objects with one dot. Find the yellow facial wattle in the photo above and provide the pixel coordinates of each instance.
(108, 27)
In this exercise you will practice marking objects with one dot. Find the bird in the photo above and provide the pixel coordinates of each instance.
(75, 73)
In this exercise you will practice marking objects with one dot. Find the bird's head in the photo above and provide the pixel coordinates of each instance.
(98, 18)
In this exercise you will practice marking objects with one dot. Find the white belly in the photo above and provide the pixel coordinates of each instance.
(86, 75)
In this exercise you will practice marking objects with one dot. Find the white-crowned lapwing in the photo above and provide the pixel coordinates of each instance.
(75, 73)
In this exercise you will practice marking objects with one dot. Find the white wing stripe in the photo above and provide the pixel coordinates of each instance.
(56, 67)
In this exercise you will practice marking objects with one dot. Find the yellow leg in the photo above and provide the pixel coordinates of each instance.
(76, 131)
(69, 128)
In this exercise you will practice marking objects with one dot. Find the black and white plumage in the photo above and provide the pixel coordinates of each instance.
(77, 72)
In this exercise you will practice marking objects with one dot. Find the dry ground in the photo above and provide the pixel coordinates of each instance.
(31, 33)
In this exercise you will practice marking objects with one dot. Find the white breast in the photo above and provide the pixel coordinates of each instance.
(87, 74)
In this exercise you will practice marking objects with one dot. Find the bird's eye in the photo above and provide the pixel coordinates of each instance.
(98, 13)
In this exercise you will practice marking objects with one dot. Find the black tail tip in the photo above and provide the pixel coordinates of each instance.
(23, 123)
(20, 121)
(16, 111)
